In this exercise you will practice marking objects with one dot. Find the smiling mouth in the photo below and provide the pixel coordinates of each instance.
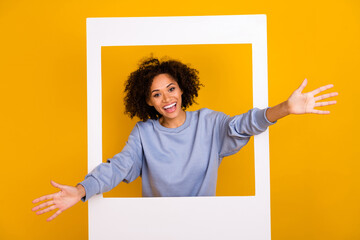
(170, 108)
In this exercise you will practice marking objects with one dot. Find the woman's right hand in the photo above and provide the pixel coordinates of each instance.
(66, 198)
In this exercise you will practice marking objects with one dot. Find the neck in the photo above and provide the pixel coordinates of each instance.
(173, 122)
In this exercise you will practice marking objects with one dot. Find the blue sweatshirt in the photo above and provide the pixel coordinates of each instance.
(180, 161)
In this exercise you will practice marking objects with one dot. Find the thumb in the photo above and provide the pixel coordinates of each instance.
(57, 185)
(303, 85)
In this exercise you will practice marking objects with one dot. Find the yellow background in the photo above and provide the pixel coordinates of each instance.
(226, 72)
(314, 160)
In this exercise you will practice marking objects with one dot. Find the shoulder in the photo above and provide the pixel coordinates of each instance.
(143, 125)
(141, 130)
(206, 114)
(209, 112)
(206, 111)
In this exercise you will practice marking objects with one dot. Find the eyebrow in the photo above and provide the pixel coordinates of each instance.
(158, 89)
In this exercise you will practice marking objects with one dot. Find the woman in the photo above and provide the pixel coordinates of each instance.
(176, 152)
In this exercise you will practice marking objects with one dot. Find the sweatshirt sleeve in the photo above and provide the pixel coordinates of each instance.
(235, 132)
(125, 166)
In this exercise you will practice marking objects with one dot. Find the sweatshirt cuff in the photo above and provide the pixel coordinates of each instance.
(91, 187)
(263, 119)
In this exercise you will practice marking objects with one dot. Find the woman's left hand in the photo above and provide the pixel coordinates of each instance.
(301, 103)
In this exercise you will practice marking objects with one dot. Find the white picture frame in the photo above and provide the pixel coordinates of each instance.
(179, 218)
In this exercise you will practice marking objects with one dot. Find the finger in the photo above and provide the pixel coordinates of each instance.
(46, 197)
(303, 85)
(57, 185)
(315, 111)
(321, 104)
(320, 89)
(46, 210)
(49, 203)
(333, 94)
(54, 216)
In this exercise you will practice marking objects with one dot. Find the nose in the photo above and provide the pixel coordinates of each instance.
(165, 97)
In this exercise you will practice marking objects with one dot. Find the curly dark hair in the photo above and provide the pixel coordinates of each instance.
(137, 86)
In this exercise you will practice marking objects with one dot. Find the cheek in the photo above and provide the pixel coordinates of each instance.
(157, 103)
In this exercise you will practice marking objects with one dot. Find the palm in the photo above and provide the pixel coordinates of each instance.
(66, 198)
(301, 103)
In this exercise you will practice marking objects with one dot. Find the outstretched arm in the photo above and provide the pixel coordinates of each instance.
(301, 103)
(66, 198)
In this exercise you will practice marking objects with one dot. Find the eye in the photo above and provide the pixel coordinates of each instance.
(156, 95)
(171, 89)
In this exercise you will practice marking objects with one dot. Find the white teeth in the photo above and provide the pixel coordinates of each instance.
(169, 106)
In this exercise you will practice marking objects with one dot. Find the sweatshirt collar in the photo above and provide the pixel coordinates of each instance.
(174, 130)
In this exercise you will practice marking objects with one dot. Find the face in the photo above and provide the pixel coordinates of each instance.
(165, 96)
